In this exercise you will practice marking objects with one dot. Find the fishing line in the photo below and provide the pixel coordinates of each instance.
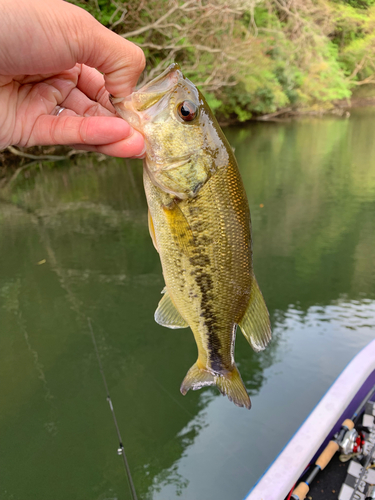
(76, 306)
(232, 454)
(172, 397)
(121, 449)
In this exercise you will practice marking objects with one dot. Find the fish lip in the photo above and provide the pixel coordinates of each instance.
(173, 74)
(155, 90)
(134, 107)
(115, 100)
(125, 109)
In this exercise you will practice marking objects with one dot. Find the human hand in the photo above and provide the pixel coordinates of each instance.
(49, 50)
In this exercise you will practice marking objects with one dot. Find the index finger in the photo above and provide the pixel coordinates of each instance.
(91, 83)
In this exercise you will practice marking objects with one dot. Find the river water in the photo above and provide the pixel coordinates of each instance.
(76, 259)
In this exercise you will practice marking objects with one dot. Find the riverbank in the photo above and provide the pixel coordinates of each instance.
(253, 58)
(16, 161)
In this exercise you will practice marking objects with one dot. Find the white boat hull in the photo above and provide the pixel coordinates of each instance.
(334, 407)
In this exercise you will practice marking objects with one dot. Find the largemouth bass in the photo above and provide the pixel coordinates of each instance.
(199, 222)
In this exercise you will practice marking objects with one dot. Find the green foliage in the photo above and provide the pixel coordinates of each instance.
(212, 101)
(356, 56)
(349, 24)
(105, 11)
(360, 4)
(303, 54)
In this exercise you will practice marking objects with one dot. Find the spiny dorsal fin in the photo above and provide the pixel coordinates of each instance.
(255, 324)
(167, 315)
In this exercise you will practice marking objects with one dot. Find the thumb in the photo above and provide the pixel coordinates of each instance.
(121, 61)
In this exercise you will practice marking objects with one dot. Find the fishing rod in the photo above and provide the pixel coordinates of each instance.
(121, 449)
(332, 447)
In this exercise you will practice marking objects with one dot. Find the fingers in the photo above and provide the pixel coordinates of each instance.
(78, 102)
(121, 61)
(117, 149)
(53, 36)
(112, 136)
(58, 41)
(91, 83)
(122, 80)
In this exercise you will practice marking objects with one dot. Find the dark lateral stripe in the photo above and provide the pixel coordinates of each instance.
(205, 285)
(200, 262)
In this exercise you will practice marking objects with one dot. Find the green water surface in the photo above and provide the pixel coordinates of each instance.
(75, 251)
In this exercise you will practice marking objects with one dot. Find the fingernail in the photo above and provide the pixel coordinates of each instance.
(142, 154)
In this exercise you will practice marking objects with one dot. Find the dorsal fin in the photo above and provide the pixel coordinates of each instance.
(255, 323)
(167, 315)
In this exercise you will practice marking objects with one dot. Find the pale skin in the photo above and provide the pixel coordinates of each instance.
(52, 55)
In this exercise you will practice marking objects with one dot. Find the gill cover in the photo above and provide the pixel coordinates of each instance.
(182, 150)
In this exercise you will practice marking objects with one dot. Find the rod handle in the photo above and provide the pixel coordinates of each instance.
(327, 454)
(301, 491)
(348, 423)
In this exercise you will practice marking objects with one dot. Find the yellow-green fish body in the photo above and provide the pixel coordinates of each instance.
(200, 224)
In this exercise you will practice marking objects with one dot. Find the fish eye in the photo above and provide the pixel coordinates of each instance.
(187, 110)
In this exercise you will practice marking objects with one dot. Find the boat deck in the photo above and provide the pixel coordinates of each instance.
(339, 403)
(328, 483)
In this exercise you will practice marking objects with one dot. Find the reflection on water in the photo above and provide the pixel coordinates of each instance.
(311, 187)
(233, 450)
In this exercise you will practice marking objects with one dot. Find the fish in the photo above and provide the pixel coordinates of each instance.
(199, 222)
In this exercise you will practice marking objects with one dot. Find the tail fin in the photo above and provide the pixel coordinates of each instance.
(232, 386)
(229, 384)
(196, 378)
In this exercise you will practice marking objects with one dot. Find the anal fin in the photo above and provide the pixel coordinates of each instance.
(255, 323)
(167, 315)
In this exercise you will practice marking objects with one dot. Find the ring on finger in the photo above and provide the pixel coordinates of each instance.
(58, 110)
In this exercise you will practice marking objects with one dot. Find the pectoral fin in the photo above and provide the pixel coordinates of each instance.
(255, 324)
(152, 230)
(167, 315)
(179, 228)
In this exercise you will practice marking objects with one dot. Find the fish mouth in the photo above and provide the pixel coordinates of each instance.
(134, 107)
(157, 88)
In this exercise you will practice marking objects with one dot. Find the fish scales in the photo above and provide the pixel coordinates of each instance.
(207, 289)
(199, 221)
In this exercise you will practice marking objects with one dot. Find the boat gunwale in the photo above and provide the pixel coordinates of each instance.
(333, 408)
